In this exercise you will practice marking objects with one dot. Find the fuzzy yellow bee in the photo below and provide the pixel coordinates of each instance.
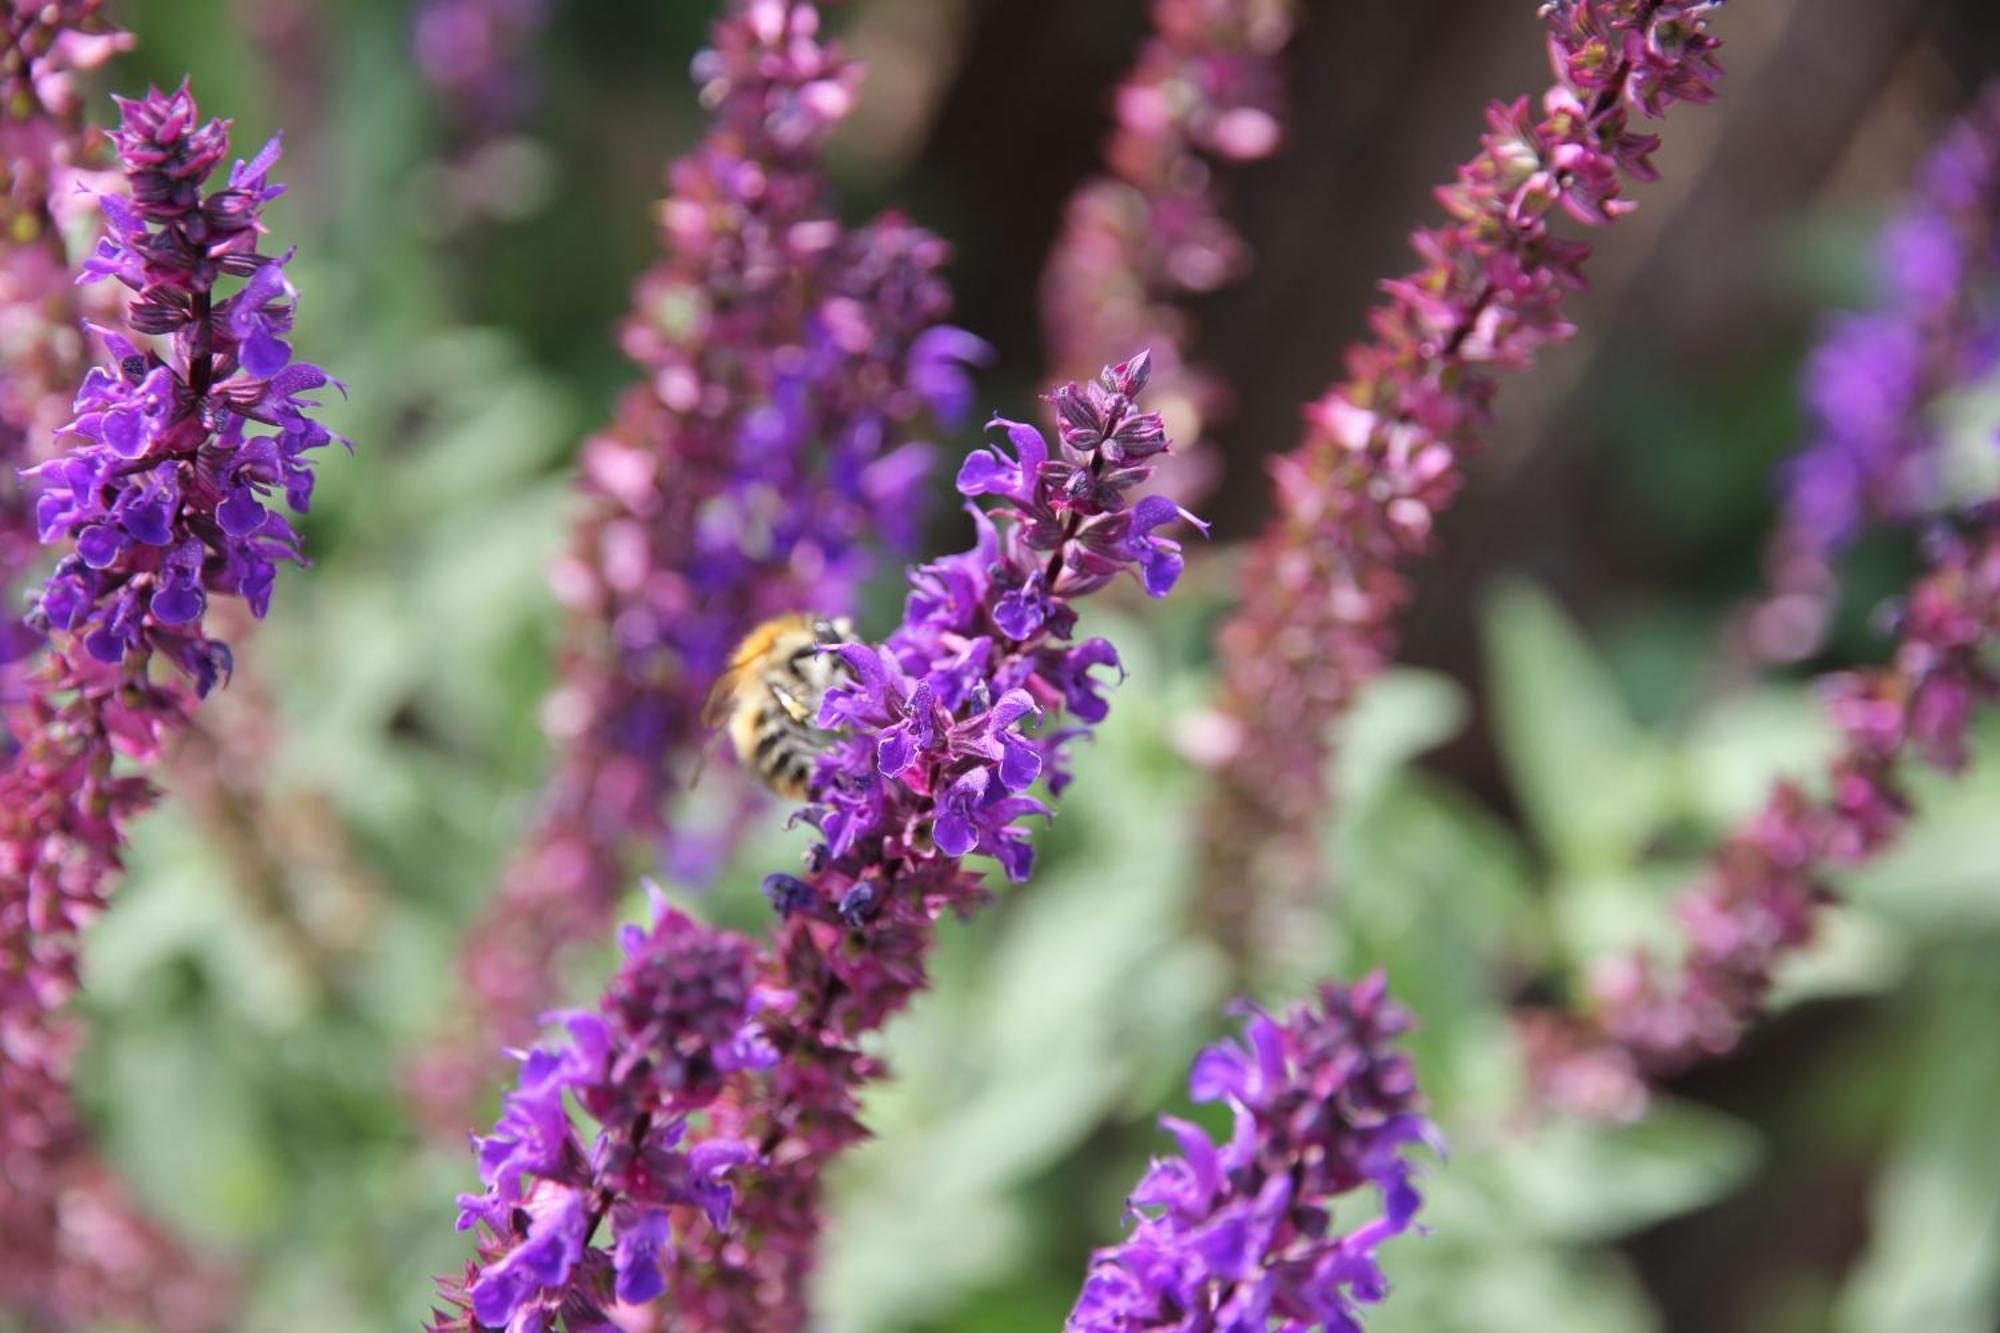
(768, 699)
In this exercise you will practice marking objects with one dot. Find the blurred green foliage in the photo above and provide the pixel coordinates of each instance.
(255, 1104)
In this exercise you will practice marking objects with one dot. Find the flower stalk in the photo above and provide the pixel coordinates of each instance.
(1878, 458)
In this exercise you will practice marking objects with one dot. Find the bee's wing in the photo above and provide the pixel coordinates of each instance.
(721, 698)
(701, 757)
(715, 710)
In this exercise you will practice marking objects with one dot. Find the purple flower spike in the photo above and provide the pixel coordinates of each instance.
(1062, 539)
(1238, 1234)
(1322, 588)
(78, 735)
(1761, 896)
(162, 488)
(947, 726)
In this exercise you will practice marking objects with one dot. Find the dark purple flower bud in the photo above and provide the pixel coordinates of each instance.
(858, 904)
(787, 894)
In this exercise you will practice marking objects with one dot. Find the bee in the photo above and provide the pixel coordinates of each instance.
(768, 698)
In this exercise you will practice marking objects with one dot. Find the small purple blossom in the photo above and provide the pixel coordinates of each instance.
(1244, 1235)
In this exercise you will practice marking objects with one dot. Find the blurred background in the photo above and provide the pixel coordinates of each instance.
(288, 932)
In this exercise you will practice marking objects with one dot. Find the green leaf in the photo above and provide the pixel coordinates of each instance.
(1933, 1257)
(1397, 716)
(1435, 890)
(1593, 784)
(1576, 1181)
(1506, 1288)
(1737, 749)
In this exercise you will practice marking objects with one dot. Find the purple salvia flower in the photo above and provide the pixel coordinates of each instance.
(1245, 1235)
(173, 459)
(1149, 232)
(788, 361)
(679, 1017)
(1872, 385)
(1761, 896)
(1381, 458)
(948, 727)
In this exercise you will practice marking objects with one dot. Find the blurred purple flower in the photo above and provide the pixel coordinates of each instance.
(1872, 386)
(1322, 587)
(1206, 91)
(49, 156)
(478, 56)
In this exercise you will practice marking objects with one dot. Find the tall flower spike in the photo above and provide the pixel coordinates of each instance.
(164, 494)
(161, 497)
(1245, 1235)
(1872, 387)
(1381, 458)
(1763, 891)
(1150, 232)
(160, 449)
(940, 750)
(788, 361)
(948, 725)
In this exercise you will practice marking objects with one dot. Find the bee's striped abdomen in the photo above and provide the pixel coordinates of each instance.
(775, 685)
(787, 746)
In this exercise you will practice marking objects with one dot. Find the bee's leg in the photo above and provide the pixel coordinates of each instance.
(794, 707)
